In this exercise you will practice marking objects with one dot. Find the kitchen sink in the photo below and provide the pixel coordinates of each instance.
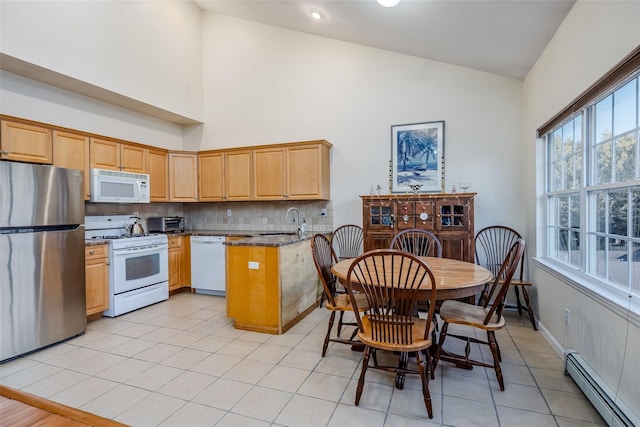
(277, 234)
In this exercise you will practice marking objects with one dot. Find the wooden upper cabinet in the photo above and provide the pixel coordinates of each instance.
(25, 143)
(119, 156)
(159, 175)
(298, 171)
(211, 176)
(183, 177)
(225, 175)
(105, 154)
(238, 170)
(269, 176)
(71, 150)
(308, 173)
(134, 158)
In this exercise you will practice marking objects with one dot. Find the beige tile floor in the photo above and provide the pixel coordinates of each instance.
(181, 363)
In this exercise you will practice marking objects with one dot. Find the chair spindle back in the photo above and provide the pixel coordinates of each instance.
(393, 282)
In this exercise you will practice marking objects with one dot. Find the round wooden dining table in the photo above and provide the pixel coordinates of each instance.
(454, 278)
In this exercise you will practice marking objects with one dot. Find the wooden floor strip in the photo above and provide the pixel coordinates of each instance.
(18, 408)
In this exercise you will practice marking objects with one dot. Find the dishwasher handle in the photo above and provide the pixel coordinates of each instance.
(216, 240)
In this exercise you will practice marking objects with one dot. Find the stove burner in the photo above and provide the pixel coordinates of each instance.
(121, 236)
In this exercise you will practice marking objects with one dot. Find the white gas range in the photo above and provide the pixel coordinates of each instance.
(138, 273)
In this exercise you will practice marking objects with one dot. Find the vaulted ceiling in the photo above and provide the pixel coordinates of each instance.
(503, 37)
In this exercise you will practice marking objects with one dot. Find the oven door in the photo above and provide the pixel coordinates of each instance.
(135, 268)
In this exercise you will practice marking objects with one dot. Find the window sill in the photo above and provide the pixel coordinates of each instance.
(618, 302)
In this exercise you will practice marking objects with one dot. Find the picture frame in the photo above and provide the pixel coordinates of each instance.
(417, 157)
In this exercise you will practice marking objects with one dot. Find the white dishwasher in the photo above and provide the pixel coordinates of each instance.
(208, 267)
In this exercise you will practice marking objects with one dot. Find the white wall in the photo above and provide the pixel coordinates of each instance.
(592, 39)
(149, 51)
(28, 99)
(267, 85)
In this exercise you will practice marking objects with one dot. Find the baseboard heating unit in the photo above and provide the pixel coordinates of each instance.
(599, 394)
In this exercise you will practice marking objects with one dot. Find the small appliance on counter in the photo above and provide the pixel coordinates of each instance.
(166, 224)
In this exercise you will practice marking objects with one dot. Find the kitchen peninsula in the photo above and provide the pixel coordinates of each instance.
(271, 282)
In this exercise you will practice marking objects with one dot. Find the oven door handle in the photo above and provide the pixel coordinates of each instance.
(140, 250)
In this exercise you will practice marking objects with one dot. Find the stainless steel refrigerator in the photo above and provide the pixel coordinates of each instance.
(42, 288)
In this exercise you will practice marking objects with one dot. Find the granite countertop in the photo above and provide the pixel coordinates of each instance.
(251, 237)
(254, 238)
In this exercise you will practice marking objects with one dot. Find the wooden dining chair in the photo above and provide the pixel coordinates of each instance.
(492, 245)
(418, 242)
(324, 258)
(487, 317)
(393, 282)
(347, 241)
(421, 243)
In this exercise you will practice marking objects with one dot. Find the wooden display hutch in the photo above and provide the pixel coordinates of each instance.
(449, 216)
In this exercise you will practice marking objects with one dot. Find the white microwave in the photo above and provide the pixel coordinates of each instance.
(119, 187)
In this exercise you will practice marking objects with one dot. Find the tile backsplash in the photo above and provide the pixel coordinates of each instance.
(254, 216)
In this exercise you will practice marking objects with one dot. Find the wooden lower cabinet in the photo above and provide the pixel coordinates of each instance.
(449, 216)
(179, 256)
(179, 262)
(96, 262)
(275, 295)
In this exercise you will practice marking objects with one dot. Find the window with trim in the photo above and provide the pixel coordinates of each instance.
(593, 182)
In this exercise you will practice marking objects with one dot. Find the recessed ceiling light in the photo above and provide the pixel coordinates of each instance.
(316, 14)
(388, 3)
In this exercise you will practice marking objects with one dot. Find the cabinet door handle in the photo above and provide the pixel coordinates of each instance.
(91, 252)
(5, 152)
(107, 263)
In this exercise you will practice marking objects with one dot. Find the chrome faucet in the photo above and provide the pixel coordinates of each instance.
(296, 220)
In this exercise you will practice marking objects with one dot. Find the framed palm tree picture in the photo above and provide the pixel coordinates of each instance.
(417, 157)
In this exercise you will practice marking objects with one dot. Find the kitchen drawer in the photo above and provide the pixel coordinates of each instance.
(95, 252)
(174, 241)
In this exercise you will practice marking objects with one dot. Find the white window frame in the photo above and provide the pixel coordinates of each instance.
(579, 273)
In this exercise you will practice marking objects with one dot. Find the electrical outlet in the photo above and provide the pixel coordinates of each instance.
(228, 212)
(323, 212)
(567, 314)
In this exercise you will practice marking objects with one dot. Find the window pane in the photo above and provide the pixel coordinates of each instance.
(570, 172)
(557, 177)
(578, 172)
(557, 144)
(602, 163)
(618, 210)
(635, 213)
(601, 264)
(574, 246)
(618, 270)
(600, 212)
(574, 211)
(563, 212)
(563, 245)
(603, 119)
(635, 268)
(624, 108)
(567, 138)
(626, 158)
